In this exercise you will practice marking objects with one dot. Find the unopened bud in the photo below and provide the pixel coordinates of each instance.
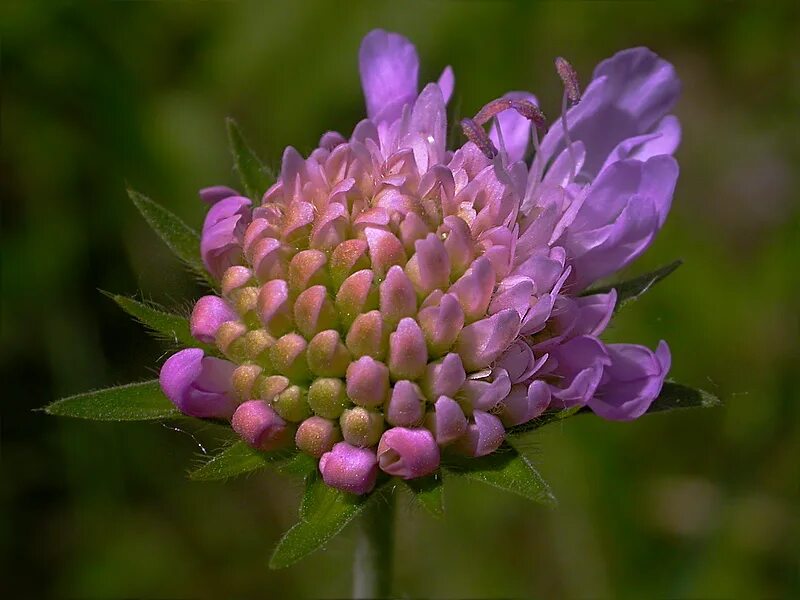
(316, 436)
(327, 397)
(361, 427)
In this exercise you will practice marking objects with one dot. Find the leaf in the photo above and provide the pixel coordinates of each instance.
(254, 175)
(630, 290)
(170, 326)
(177, 235)
(133, 402)
(324, 512)
(428, 492)
(505, 469)
(676, 396)
(551, 416)
(239, 458)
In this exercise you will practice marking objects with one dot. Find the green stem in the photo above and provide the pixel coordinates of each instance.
(372, 564)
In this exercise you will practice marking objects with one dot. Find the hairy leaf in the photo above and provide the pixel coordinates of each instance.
(254, 175)
(631, 289)
(170, 326)
(324, 512)
(133, 402)
(428, 492)
(177, 235)
(239, 458)
(674, 395)
(505, 469)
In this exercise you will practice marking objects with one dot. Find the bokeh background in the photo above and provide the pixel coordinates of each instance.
(688, 504)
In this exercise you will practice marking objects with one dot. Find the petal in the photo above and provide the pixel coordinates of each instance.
(389, 67)
(515, 129)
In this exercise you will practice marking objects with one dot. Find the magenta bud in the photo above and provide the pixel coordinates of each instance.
(444, 377)
(368, 336)
(349, 468)
(235, 277)
(314, 311)
(429, 268)
(408, 453)
(474, 288)
(480, 343)
(316, 436)
(484, 435)
(367, 382)
(441, 324)
(406, 406)
(397, 296)
(208, 314)
(447, 422)
(274, 307)
(200, 386)
(260, 426)
(385, 249)
(408, 354)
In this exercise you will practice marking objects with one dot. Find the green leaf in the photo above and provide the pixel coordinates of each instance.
(179, 237)
(675, 396)
(133, 402)
(551, 416)
(254, 175)
(428, 492)
(172, 327)
(505, 469)
(239, 458)
(324, 512)
(630, 290)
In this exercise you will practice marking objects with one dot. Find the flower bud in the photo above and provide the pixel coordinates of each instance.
(260, 426)
(368, 336)
(349, 468)
(447, 422)
(327, 356)
(397, 296)
(270, 387)
(347, 258)
(408, 354)
(291, 404)
(244, 380)
(288, 357)
(274, 307)
(441, 324)
(361, 427)
(307, 269)
(327, 397)
(484, 435)
(316, 436)
(200, 386)
(207, 315)
(480, 343)
(429, 268)
(314, 311)
(235, 277)
(406, 406)
(444, 377)
(230, 339)
(408, 453)
(356, 295)
(367, 382)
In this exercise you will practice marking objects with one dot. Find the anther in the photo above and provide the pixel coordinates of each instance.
(531, 112)
(570, 79)
(476, 134)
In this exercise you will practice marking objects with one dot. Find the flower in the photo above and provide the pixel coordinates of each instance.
(389, 300)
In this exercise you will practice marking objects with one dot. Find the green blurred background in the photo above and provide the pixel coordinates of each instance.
(689, 504)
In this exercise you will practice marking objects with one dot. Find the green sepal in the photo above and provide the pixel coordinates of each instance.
(133, 402)
(428, 492)
(324, 512)
(505, 469)
(632, 289)
(177, 235)
(239, 458)
(168, 326)
(255, 177)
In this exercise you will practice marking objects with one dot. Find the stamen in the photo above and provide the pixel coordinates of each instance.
(531, 112)
(570, 79)
(476, 134)
(492, 109)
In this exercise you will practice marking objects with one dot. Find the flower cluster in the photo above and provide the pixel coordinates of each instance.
(390, 299)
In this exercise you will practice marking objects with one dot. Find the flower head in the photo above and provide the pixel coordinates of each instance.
(411, 299)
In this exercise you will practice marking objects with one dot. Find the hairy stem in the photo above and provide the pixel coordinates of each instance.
(372, 564)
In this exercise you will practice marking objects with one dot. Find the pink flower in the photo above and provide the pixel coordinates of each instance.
(428, 298)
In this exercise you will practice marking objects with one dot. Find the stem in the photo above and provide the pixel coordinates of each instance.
(372, 564)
